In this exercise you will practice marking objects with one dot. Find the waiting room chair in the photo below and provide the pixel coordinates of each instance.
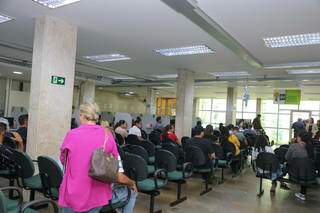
(302, 171)
(136, 168)
(111, 207)
(184, 142)
(7, 166)
(176, 151)
(223, 161)
(267, 167)
(25, 173)
(196, 157)
(51, 176)
(140, 151)
(154, 137)
(166, 160)
(16, 206)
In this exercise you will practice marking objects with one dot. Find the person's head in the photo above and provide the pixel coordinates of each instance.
(199, 123)
(311, 121)
(299, 119)
(225, 132)
(236, 129)
(166, 129)
(199, 132)
(261, 143)
(23, 120)
(208, 132)
(303, 137)
(123, 124)
(259, 116)
(138, 122)
(89, 113)
(159, 120)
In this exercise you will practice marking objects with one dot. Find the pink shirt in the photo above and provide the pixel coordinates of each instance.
(78, 191)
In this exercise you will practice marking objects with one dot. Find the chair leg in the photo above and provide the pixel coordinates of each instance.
(207, 189)
(179, 198)
(261, 191)
(152, 197)
(222, 176)
(11, 183)
(32, 195)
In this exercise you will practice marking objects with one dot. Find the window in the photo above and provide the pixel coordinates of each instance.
(212, 111)
(246, 112)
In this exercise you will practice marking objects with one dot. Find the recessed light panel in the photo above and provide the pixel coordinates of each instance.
(292, 40)
(120, 77)
(55, 3)
(303, 72)
(166, 76)
(229, 74)
(4, 18)
(190, 50)
(17, 73)
(107, 57)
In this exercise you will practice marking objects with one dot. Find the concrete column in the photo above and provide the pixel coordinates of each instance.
(151, 101)
(8, 91)
(185, 93)
(195, 107)
(54, 53)
(231, 105)
(258, 106)
(87, 91)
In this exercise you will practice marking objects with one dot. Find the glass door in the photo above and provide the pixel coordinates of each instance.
(295, 114)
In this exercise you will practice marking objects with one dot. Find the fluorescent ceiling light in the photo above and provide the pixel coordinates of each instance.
(292, 40)
(229, 74)
(55, 3)
(300, 72)
(166, 76)
(17, 73)
(190, 50)
(120, 77)
(107, 57)
(4, 18)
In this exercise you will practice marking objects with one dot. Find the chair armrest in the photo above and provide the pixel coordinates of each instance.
(17, 190)
(187, 167)
(161, 174)
(41, 201)
(229, 156)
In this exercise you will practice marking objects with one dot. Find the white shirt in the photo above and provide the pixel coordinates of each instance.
(135, 131)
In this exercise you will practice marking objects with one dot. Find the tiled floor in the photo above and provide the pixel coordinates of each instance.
(234, 196)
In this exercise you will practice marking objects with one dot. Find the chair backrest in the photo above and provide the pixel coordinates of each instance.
(6, 158)
(150, 147)
(138, 150)
(135, 167)
(195, 156)
(133, 140)
(144, 135)
(167, 141)
(174, 149)
(251, 139)
(268, 162)
(25, 167)
(284, 146)
(50, 171)
(154, 137)
(281, 154)
(165, 160)
(185, 142)
(228, 147)
(218, 150)
(302, 170)
(119, 139)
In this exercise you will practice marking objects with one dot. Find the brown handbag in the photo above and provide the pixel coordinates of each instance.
(103, 166)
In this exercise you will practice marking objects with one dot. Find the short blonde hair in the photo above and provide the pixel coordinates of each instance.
(90, 111)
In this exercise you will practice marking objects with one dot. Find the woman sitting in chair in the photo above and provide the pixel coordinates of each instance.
(262, 146)
(11, 139)
(168, 134)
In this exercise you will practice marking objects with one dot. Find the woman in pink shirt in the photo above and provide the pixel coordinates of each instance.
(78, 191)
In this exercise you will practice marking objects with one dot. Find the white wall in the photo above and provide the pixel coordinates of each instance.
(112, 102)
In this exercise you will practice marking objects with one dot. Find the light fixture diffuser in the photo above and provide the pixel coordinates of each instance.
(107, 57)
(55, 3)
(17, 73)
(4, 18)
(188, 50)
(303, 72)
(121, 77)
(166, 76)
(229, 74)
(292, 40)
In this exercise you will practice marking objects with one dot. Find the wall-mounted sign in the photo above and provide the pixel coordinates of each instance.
(58, 80)
(287, 97)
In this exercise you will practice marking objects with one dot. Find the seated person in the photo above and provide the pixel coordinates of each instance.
(11, 139)
(302, 148)
(262, 146)
(136, 128)
(23, 129)
(204, 145)
(158, 125)
(169, 134)
(240, 136)
(121, 128)
(193, 130)
(210, 134)
(231, 144)
(233, 139)
(119, 191)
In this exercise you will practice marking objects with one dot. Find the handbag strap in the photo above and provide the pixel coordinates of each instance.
(65, 160)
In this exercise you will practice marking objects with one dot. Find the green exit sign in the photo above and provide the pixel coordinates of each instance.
(58, 80)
